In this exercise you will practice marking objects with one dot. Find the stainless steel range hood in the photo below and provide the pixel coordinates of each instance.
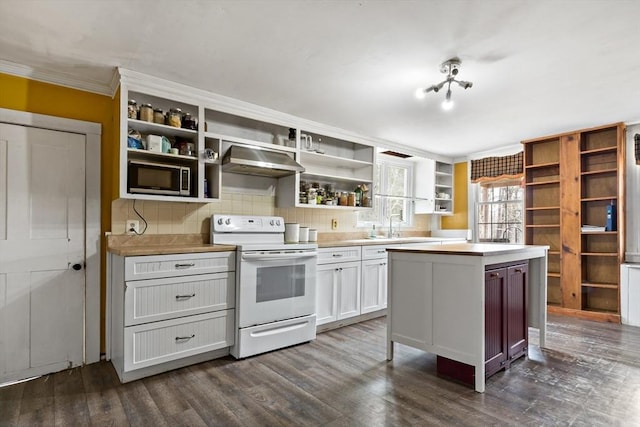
(256, 161)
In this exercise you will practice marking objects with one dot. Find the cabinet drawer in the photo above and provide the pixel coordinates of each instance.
(159, 266)
(161, 299)
(342, 254)
(159, 342)
(374, 252)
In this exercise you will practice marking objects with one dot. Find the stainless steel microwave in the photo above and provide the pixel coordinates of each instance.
(159, 178)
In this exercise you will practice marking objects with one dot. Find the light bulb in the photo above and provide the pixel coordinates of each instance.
(420, 93)
(447, 104)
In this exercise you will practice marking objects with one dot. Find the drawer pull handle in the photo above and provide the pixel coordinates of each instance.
(494, 275)
(518, 270)
(337, 255)
(186, 265)
(179, 297)
(187, 338)
(382, 251)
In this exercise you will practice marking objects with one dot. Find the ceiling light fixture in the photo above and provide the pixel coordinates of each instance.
(450, 68)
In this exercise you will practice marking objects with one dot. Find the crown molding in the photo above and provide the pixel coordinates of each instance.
(139, 81)
(56, 78)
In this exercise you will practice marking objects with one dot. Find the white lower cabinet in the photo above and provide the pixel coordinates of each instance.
(374, 285)
(338, 285)
(630, 294)
(352, 280)
(169, 314)
(374, 278)
(150, 344)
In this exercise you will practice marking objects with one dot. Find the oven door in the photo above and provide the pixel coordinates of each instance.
(276, 285)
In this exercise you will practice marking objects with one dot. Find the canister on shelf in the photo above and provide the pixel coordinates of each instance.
(189, 122)
(132, 109)
(343, 198)
(158, 116)
(146, 113)
(174, 117)
(351, 201)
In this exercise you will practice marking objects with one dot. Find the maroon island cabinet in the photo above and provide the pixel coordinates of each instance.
(505, 323)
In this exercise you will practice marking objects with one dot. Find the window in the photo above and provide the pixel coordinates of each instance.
(392, 189)
(499, 212)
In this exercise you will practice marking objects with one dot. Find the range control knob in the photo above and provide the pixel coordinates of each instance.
(278, 222)
(272, 222)
(228, 221)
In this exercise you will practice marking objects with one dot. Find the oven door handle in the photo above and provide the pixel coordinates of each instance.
(289, 255)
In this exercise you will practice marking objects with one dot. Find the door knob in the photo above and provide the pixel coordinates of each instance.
(77, 267)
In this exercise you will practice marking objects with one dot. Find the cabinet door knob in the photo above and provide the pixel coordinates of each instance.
(494, 275)
(77, 266)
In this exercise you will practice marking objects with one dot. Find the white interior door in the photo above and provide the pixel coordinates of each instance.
(42, 239)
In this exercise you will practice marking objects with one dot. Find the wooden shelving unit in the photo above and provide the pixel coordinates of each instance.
(570, 180)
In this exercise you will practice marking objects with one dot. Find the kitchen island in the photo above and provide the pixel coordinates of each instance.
(437, 300)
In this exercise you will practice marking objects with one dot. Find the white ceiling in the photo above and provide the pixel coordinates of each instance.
(538, 66)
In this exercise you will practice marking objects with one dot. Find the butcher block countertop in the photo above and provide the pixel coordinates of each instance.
(473, 249)
(161, 244)
(383, 241)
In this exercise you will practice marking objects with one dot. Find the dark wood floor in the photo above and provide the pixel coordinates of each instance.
(590, 375)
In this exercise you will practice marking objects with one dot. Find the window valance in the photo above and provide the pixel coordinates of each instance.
(497, 168)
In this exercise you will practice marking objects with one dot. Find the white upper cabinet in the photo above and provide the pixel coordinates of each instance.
(333, 167)
(443, 188)
(433, 187)
(424, 185)
(149, 169)
(335, 162)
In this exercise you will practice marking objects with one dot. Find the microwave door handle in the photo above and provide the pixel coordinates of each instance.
(258, 257)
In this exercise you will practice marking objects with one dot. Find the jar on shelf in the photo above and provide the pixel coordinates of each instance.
(132, 109)
(312, 196)
(146, 113)
(185, 147)
(174, 117)
(351, 201)
(358, 192)
(292, 137)
(343, 198)
(158, 116)
(189, 122)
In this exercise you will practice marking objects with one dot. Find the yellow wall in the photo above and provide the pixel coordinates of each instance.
(17, 93)
(460, 218)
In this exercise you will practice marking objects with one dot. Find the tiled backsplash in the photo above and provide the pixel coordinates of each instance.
(189, 218)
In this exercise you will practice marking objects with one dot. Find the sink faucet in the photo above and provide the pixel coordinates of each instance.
(391, 233)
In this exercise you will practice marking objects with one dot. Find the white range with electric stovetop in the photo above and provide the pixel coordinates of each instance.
(275, 283)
